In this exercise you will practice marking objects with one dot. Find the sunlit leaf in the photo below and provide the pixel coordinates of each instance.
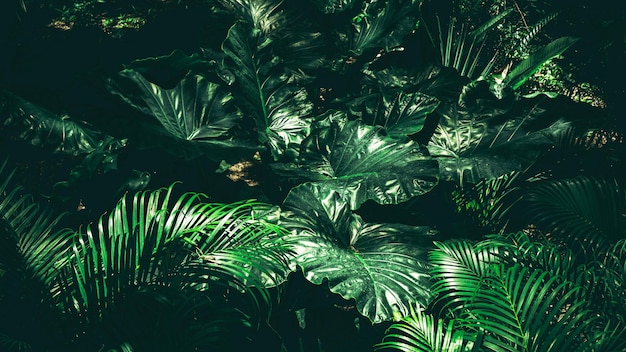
(360, 163)
(195, 109)
(381, 266)
(279, 108)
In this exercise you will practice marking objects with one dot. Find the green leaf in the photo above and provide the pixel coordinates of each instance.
(486, 138)
(462, 50)
(525, 69)
(383, 24)
(42, 128)
(182, 243)
(333, 6)
(30, 245)
(583, 209)
(360, 163)
(381, 266)
(519, 308)
(399, 114)
(422, 332)
(195, 109)
(280, 109)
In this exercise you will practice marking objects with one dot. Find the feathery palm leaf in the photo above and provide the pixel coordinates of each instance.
(580, 209)
(463, 50)
(152, 242)
(421, 332)
(42, 250)
(519, 308)
(525, 69)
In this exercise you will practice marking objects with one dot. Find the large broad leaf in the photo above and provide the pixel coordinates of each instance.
(280, 109)
(360, 163)
(195, 109)
(485, 138)
(399, 114)
(381, 266)
(383, 24)
(42, 128)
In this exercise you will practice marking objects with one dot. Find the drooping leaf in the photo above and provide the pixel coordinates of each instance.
(399, 114)
(519, 308)
(42, 128)
(196, 109)
(182, 243)
(279, 108)
(41, 250)
(381, 266)
(360, 163)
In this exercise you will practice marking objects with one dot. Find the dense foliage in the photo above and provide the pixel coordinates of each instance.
(319, 175)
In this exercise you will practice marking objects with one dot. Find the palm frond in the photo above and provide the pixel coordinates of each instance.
(582, 209)
(517, 306)
(525, 69)
(462, 49)
(160, 240)
(422, 332)
(42, 251)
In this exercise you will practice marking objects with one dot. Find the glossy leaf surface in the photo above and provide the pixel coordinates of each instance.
(195, 109)
(280, 109)
(381, 266)
(399, 114)
(484, 138)
(359, 163)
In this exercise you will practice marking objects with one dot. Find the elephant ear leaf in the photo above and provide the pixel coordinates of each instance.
(42, 128)
(360, 163)
(383, 267)
(280, 109)
(484, 139)
(399, 114)
(383, 24)
(195, 109)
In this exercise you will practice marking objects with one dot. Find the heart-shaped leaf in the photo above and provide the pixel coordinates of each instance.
(196, 109)
(382, 266)
(360, 163)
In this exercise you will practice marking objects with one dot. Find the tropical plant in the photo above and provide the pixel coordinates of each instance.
(383, 135)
